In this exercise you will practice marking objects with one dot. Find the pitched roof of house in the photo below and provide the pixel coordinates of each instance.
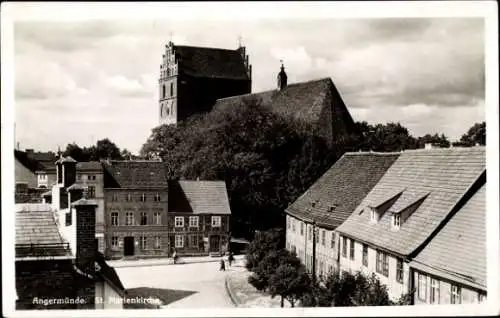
(37, 233)
(211, 62)
(198, 197)
(135, 174)
(446, 174)
(305, 100)
(89, 166)
(28, 161)
(343, 187)
(108, 274)
(459, 248)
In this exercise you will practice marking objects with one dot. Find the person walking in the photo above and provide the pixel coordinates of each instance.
(222, 265)
(174, 255)
(230, 258)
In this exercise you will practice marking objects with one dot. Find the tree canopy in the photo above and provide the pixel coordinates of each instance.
(104, 149)
(474, 135)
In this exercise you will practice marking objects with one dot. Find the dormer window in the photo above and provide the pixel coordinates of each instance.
(396, 221)
(143, 197)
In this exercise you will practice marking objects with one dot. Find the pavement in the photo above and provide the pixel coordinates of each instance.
(166, 261)
(199, 275)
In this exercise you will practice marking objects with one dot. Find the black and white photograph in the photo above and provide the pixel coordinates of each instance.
(244, 159)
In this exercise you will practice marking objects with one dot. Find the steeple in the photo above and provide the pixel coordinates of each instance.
(282, 78)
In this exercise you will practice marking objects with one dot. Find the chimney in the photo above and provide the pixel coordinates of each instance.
(86, 247)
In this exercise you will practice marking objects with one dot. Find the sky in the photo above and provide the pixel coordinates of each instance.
(81, 81)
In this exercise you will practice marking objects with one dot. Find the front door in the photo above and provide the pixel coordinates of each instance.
(214, 243)
(128, 246)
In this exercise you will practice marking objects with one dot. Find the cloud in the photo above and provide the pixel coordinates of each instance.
(421, 72)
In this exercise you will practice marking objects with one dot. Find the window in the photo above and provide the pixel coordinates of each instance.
(179, 241)
(68, 218)
(179, 221)
(164, 90)
(171, 89)
(157, 197)
(79, 177)
(157, 217)
(193, 221)
(434, 291)
(385, 264)
(373, 215)
(288, 223)
(143, 197)
(129, 197)
(316, 234)
(114, 197)
(323, 237)
(216, 221)
(301, 228)
(351, 249)
(293, 225)
(114, 242)
(92, 177)
(144, 218)
(396, 221)
(309, 232)
(344, 247)
(456, 294)
(332, 241)
(422, 287)
(194, 240)
(129, 218)
(114, 218)
(365, 255)
(144, 241)
(399, 270)
(91, 191)
(481, 298)
(157, 242)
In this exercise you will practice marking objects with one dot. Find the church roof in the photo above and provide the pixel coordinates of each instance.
(312, 101)
(211, 62)
(342, 188)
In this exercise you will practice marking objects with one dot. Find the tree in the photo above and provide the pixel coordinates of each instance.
(75, 152)
(475, 135)
(106, 149)
(290, 281)
(388, 137)
(263, 243)
(126, 155)
(348, 289)
(436, 139)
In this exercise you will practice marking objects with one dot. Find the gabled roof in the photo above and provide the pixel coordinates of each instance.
(345, 185)
(37, 233)
(89, 166)
(135, 174)
(211, 62)
(108, 274)
(459, 248)
(306, 100)
(198, 197)
(447, 174)
(27, 161)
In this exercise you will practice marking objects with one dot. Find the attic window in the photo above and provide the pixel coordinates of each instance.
(332, 207)
(396, 221)
(314, 203)
(373, 215)
(118, 173)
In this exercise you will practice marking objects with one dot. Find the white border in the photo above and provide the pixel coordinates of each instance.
(237, 11)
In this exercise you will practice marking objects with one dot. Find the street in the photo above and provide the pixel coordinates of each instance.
(204, 280)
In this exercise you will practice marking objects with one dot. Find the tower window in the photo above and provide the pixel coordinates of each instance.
(164, 91)
(168, 71)
(171, 89)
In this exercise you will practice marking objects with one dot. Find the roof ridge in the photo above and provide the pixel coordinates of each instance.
(364, 153)
(205, 48)
(272, 90)
(446, 149)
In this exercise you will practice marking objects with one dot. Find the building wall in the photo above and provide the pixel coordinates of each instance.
(116, 201)
(422, 293)
(25, 175)
(302, 243)
(106, 297)
(47, 279)
(203, 233)
(394, 288)
(96, 180)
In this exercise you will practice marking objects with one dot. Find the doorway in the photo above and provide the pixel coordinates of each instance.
(128, 246)
(214, 243)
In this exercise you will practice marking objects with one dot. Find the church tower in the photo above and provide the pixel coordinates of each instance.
(168, 87)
